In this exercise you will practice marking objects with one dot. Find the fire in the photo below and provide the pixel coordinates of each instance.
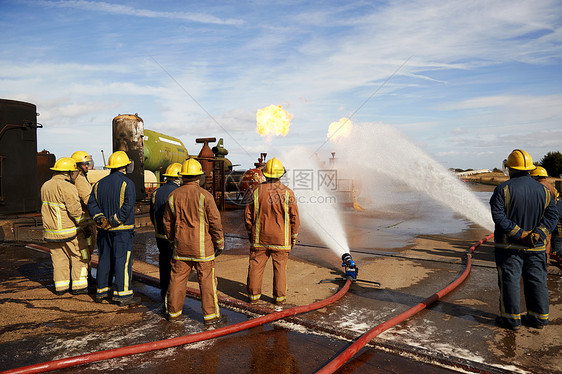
(339, 130)
(273, 120)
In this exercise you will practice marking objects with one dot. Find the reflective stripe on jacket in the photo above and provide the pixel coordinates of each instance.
(193, 222)
(61, 210)
(113, 197)
(272, 217)
(158, 206)
(522, 204)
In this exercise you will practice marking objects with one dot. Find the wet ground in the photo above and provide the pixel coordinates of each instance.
(413, 251)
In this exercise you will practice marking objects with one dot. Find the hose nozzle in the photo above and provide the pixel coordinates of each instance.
(351, 269)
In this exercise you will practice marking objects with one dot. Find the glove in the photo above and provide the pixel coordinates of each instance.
(529, 239)
(293, 242)
(218, 251)
(103, 224)
(87, 231)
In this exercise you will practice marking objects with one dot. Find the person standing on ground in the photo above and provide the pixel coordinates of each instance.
(193, 224)
(111, 205)
(61, 214)
(157, 208)
(272, 222)
(524, 214)
(540, 174)
(86, 235)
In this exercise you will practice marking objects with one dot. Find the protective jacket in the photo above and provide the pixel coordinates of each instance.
(113, 197)
(522, 204)
(193, 222)
(158, 207)
(272, 217)
(61, 210)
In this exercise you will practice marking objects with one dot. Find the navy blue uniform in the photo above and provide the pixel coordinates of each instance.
(113, 197)
(157, 208)
(522, 204)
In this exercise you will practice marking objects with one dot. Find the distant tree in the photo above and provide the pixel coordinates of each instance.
(496, 170)
(552, 162)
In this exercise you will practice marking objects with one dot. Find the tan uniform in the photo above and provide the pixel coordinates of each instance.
(192, 221)
(86, 243)
(272, 222)
(554, 194)
(61, 213)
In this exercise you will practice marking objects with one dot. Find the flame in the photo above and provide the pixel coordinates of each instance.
(339, 130)
(273, 120)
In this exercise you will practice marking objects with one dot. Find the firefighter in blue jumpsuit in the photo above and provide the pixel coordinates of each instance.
(111, 205)
(157, 207)
(524, 214)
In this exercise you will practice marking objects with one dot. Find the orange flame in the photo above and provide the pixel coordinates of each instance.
(273, 120)
(339, 130)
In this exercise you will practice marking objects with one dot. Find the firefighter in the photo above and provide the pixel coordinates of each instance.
(540, 174)
(524, 214)
(111, 205)
(272, 222)
(62, 214)
(87, 235)
(193, 224)
(157, 208)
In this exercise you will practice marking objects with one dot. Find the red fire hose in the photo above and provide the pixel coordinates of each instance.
(173, 342)
(343, 357)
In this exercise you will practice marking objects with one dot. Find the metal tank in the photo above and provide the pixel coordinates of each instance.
(19, 187)
(162, 150)
(128, 131)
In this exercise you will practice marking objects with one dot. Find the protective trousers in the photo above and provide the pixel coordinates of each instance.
(165, 263)
(115, 256)
(68, 265)
(207, 285)
(87, 244)
(511, 265)
(256, 266)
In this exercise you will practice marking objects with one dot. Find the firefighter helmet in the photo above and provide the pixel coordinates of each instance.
(539, 172)
(65, 164)
(273, 169)
(520, 160)
(173, 170)
(191, 168)
(118, 160)
(81, 156)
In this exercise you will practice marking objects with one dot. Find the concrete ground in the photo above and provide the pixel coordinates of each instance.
(412, 256)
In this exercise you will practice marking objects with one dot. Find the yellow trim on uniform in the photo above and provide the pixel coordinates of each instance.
(287, 228)
(215, 299)
(174, 315)
(122, 194)
(61, 231)
(258, 245)
(122, 227)
(538, 315)
(196, 259)
(171, 204)
(102, 290)
(126, 280)
(201, 226)
(254, 297)
(257, 215)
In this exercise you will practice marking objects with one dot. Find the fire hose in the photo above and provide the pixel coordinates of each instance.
(173, 342)
(350, 351)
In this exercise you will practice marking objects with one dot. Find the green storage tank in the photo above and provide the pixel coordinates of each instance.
(162, 150)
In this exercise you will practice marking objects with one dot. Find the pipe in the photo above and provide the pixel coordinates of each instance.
(343, 357)
(173, 342)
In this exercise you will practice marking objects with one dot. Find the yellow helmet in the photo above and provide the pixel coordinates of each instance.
(539, 172)
(65, 164)
(173, 170)
(117, 160)
(520, 160)
(273, 169)
(81, 156)
(191, 167)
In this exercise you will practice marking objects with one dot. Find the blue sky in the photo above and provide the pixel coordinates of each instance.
(467, 81)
